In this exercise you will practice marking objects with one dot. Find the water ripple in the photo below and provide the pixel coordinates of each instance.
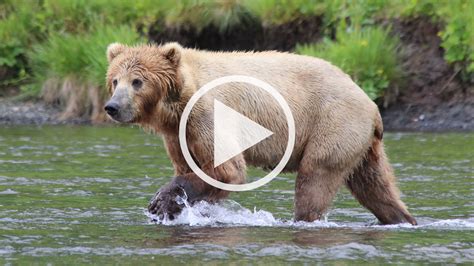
(230, 213)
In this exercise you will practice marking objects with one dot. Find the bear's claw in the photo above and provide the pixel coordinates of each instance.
(165, 204)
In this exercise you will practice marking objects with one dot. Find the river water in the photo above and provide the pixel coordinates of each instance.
(78, 195)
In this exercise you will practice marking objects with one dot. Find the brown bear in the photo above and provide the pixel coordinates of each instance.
(338, 128)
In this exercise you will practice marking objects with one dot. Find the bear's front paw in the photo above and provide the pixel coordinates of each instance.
(168, 201)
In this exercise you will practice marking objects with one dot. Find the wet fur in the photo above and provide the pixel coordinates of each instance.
(338, 128)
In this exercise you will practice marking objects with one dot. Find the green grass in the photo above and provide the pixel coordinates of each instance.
(57, 47)
(68, 61)
(275, 12)
(368, 55)
(198, 14)
(83, 15)
(82, 55)
(66, 39)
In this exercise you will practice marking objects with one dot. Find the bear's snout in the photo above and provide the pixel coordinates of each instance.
(112, 108)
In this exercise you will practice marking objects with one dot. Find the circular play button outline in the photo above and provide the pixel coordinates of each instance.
(242, 79)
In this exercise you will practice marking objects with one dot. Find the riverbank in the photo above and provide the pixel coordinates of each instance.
(445, 117)
(13, 113)
(431, 95)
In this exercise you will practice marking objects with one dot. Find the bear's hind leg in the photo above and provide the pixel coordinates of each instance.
(373, 185)
(314, 190)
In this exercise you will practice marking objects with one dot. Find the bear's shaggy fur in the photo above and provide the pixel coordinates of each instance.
(338, 128)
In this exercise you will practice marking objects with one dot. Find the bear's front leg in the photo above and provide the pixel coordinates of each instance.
(169, 199)
(192, 188)
(187, 184)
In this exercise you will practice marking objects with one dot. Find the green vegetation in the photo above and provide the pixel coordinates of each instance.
(369, 55)
(458, 33)
(81, 56)
(17, 32)
(73, 67)
(56, 48)
(271, 12)
(198, 14)
(46, 44)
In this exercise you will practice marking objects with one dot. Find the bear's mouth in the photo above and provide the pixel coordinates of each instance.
(122, 117)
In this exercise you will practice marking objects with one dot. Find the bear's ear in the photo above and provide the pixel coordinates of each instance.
(114, 49)
(172, 52)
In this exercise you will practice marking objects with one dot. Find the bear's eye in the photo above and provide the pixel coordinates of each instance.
(114, 83)
(136, 83)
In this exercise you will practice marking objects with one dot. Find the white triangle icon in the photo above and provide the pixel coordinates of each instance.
(234, 133)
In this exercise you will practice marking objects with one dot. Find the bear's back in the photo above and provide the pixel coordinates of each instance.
(323, 99)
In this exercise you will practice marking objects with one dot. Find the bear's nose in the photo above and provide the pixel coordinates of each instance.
(111, 108)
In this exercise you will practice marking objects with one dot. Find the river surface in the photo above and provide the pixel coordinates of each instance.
(72, 195)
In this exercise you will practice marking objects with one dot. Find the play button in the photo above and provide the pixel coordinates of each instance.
(234, 133)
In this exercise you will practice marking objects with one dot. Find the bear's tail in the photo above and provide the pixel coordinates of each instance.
(373, 184)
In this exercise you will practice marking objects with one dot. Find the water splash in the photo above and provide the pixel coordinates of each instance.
(225, 213)
(231, 213)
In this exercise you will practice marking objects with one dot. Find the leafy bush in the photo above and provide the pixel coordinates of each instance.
(368, 55)
(17, 31)
(357, 13)
(458, 34)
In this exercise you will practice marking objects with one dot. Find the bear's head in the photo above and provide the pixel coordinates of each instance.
(140, 78)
